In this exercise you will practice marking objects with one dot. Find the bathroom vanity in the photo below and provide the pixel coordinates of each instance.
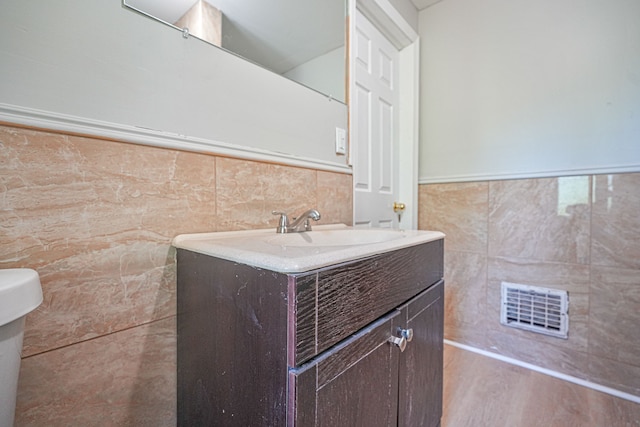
(309, 337)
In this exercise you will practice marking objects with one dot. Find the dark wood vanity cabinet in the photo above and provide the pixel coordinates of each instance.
(262, 348)
(365, 381)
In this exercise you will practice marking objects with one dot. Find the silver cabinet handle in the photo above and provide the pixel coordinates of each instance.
(407, 333)
(400, 342)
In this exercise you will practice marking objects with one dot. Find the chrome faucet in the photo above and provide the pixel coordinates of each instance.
(299, 224)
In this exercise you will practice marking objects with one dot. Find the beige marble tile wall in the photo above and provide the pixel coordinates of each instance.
(578, 233)
(95, 218)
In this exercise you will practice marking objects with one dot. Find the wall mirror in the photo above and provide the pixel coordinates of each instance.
(302, 40)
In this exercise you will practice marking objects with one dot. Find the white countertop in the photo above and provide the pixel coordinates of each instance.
(298, 252)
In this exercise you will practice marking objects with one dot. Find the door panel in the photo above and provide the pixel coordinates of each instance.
(362, 126)
(353, 384)
(364, 395)
(385, 170)
(375, 130)
(420, 366)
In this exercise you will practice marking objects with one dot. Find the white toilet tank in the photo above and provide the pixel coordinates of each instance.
(20, 293)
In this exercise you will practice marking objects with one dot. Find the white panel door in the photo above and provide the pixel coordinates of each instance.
(374, 100)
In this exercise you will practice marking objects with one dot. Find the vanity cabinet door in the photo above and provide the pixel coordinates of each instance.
(420, 365)
(353, 384)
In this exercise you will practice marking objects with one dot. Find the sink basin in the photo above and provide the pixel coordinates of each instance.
(298, 252)
(340, 237)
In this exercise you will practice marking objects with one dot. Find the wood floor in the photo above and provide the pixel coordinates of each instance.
(480, 391)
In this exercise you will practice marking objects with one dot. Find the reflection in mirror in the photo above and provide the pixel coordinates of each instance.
(301, 40)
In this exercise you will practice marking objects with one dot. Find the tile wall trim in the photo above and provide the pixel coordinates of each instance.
(559, 375)
(612, 169)
(47, 120)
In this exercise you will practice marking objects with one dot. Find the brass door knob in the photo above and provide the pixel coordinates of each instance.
(398, 207)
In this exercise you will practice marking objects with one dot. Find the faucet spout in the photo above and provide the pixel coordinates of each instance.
(299, 224)
(302, 223)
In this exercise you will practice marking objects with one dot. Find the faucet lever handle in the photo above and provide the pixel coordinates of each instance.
(283, 223)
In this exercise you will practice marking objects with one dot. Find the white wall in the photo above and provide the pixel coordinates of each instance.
(515, 88)
(98, 65)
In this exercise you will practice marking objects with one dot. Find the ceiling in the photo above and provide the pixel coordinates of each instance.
(421, 4)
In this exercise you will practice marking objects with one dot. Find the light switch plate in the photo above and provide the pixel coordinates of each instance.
(341, 141)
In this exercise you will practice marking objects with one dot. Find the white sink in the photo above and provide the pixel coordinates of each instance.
(298, 252)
